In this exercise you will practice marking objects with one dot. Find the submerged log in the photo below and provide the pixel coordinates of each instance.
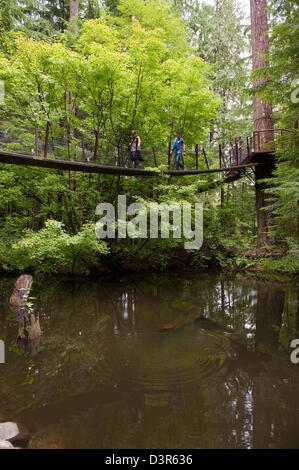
(205, 323)
(177, 323)
(29, 327)
(199, 322)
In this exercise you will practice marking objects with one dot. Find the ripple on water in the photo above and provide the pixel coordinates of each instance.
(162, 361)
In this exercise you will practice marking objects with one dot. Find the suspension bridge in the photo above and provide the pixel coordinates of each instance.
(233, 164)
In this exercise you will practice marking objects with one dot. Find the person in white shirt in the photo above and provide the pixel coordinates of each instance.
(135, 146)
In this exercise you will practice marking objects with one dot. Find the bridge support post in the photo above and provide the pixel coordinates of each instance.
(206, 160)
(46, 140)
(96, 146)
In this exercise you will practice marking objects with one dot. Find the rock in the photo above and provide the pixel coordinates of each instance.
(14, 433)
(6, 445)
(8, 431)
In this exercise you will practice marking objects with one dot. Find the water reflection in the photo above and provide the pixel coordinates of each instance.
(269, 310)
(168, 361)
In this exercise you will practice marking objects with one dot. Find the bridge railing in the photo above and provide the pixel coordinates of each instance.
(90, 150)
(264, 139)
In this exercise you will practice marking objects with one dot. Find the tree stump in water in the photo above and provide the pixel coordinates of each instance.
(29, 327)
(21, 291)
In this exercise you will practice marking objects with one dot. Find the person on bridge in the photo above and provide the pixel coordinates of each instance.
(179, 148)
(135, 148)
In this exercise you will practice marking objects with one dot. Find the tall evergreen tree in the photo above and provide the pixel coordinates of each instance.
(220, 36)
(282, 89)
(44, 18)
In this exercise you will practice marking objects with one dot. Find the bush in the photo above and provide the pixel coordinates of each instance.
(53, 250)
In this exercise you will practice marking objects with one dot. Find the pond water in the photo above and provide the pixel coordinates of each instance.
(175, 360)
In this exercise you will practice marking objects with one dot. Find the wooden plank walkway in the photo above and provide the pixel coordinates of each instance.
(67, 165)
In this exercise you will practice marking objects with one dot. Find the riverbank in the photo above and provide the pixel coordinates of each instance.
(272, 268)
(53, 251)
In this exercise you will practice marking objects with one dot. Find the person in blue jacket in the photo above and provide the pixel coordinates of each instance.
(179, 148)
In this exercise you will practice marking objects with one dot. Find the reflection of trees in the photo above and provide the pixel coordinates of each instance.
(275, 398)
(121, 423)
(261, 402)
(269, 310)
(64, 387)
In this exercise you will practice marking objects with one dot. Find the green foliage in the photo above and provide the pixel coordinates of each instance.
(285, 264)
(155, 66)
(282, 72)
(53, 250)
(121, 73)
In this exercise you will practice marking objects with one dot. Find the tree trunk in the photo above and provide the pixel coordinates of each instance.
(21, 291)
(262, 111)
(155, 156)
(74, 12)
(29, 327)
(221, 197)
(264, 217)
(263, 120)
